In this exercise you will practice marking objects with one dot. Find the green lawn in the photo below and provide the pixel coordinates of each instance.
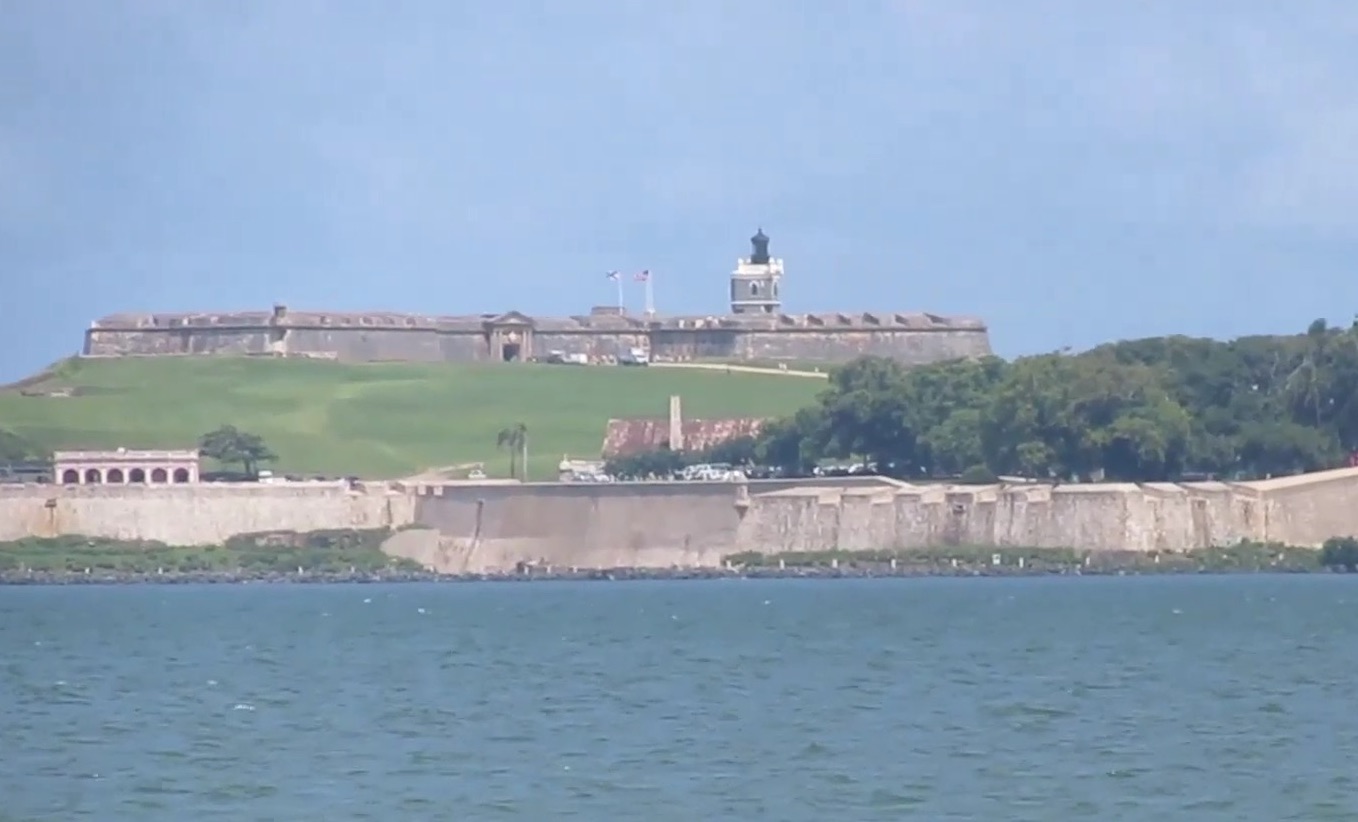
(386, 420)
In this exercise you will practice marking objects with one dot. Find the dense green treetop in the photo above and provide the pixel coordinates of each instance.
(1143, 410)
(229, 445)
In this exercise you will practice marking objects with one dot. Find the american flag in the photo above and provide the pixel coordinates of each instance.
(612, 275)
(644, 276)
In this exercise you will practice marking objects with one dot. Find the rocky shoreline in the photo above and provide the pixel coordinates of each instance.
(619, 574)
(356, 557)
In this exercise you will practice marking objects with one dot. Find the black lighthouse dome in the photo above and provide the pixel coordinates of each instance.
(759, 248)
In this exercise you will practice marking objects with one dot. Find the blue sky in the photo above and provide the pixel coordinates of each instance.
(1072, 172)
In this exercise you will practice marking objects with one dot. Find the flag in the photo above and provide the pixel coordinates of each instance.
(644, 276)
(613, 275)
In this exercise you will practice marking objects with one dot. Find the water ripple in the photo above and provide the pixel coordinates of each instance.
(1018, 699)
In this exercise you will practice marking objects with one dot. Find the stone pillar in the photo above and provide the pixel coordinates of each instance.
(676, 424)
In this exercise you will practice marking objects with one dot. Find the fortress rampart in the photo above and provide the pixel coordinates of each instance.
(755, 328)
(911, 338)
(477, 527)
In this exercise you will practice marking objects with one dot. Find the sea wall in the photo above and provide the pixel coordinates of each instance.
(196, 514)
(1310, 508)
(475, 527)
(1300, 510)
(662, 524)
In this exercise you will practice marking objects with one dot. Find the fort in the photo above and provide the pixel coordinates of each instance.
(477, 526)
(754, 328)
(461, 527)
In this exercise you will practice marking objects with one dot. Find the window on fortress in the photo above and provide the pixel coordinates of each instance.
(754, 289)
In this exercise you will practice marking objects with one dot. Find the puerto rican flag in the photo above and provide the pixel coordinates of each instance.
(643, 276)
(612, 275)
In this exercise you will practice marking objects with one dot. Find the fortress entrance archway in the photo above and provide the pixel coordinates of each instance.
(509, 337)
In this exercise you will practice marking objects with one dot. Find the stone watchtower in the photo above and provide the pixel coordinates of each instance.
(757, 280)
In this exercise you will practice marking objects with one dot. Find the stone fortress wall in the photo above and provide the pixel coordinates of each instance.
(915, 339)
(495, 525)
(198, 514)
(755, 328)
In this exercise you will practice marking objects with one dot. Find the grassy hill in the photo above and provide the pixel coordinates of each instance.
(383, 420)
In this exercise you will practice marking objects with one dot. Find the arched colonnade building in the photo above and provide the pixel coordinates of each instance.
(126, 467)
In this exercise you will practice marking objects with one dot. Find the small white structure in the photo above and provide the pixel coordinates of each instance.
(124, 466)
(575, 470)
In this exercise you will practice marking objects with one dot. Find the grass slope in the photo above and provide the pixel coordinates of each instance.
(384, 420)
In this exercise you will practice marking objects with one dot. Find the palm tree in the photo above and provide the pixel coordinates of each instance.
(514, 439)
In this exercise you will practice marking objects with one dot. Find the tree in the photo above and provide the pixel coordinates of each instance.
(231, 446)
(867, 414)
(946, 402)
(1156, 409)
(1341, 553)
(1280, 448)
(742, 450)
(1024, 428)
(793, 445)
(514, 439)
(659, 463)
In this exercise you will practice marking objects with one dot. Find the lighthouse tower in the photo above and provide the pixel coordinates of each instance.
(756, 282)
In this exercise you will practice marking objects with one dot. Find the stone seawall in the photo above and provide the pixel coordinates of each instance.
(195, 514)
(1301, 510)
(470, 528)
(475, 529)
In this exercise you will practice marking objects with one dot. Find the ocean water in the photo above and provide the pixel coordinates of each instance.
(1195, 698)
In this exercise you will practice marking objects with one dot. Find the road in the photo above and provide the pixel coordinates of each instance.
(742, 369)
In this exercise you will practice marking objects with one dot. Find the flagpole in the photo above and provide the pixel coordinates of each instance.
(650, 296)
(616, 277)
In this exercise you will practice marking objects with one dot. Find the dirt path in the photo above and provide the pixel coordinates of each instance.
(742, 369)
